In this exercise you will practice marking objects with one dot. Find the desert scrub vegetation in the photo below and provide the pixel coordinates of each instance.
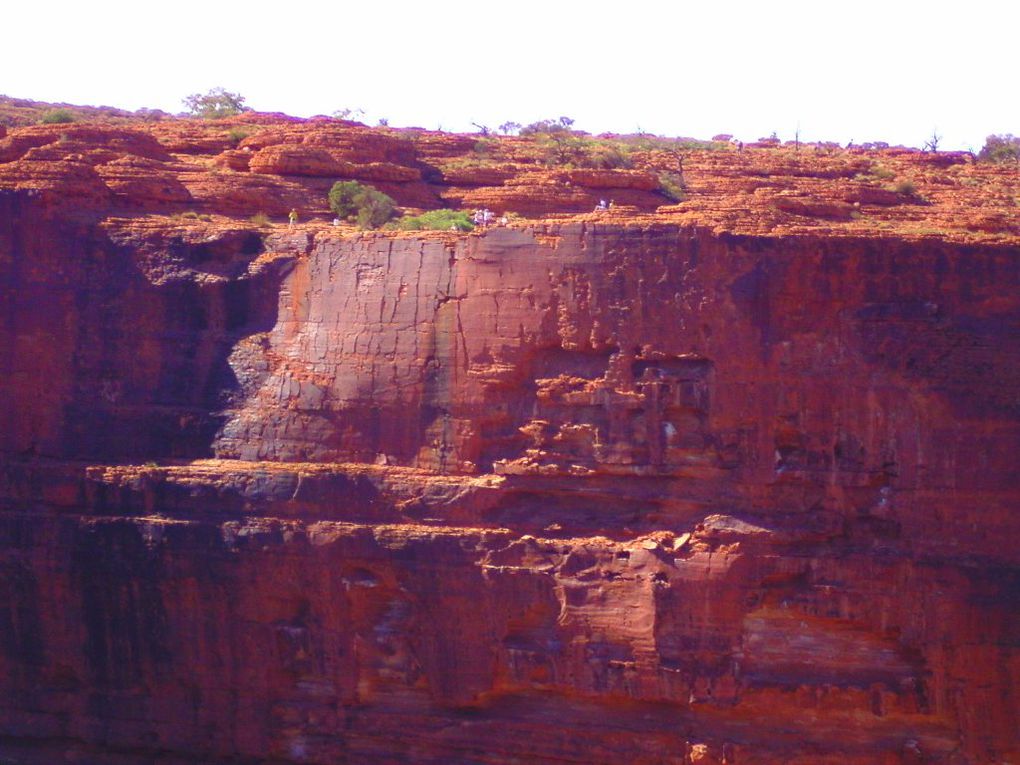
(559, 125)
(580, 151)
(237, 134)
(647, 142)
(259, 219)
(434, 220)
(906, 187)
(57, 117)
(888, 180)
(485, 147)
(215, 104)
(1001, 148)
(469, 163)
(879, 172)
(556, 144)
(361, 204)
(191, 215)
(673, 186)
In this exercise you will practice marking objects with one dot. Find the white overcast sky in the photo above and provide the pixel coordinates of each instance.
(863, 70)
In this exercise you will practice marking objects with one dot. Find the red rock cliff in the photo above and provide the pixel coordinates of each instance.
(729, 481)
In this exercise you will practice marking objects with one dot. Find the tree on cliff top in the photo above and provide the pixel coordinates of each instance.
(216, 103)
(1001, 148)
(365, 205)
(562, 125)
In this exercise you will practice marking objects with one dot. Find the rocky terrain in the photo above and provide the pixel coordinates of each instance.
(723, 474)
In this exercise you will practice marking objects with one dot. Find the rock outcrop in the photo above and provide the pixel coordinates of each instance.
(724, 481)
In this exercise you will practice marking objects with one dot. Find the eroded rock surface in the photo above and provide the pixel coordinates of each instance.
(731, 481)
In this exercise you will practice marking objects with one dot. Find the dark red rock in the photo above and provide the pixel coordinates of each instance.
(630, 487)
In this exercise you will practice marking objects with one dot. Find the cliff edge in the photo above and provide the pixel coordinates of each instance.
(721, 474)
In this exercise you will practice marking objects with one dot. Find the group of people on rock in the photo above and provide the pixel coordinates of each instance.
(604, 205)
(486, 217)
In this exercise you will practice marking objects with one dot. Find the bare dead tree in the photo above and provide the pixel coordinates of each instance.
(932, 144)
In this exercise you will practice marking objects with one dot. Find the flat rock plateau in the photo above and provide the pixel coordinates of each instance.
(730, 479)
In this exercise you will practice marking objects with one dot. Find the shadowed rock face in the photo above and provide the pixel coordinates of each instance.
(587, 492)
(115, 345)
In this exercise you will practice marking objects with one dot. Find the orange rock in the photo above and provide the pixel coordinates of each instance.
(815, 208)
(143, 183)
(234, 159)
(282, 159)
(726, 481)
(613, 179)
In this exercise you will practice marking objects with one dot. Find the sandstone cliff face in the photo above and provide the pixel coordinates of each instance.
(624, 487)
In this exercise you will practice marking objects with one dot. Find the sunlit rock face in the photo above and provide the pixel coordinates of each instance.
(618, 488)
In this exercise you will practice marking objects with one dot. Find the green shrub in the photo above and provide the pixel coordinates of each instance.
(192, 215)
(57, 117)
(484, 146)
(1001, 148)
(567, 149)
(906, 187)
(672, 185)
(237, 134)
(600, 154)
(365, 205)
(341, 198)
(260, 219)
(216, 103)
(435, 220)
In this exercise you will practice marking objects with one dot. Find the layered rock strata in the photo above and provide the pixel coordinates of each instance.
(630, 487)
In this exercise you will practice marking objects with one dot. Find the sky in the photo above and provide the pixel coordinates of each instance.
(893, 71)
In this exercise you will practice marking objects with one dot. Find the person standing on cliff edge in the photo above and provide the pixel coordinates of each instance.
(292, 218)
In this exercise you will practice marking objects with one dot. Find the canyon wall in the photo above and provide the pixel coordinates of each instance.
(585, 491)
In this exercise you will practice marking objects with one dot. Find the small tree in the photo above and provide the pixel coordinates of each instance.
(562, 125)
(1001, 148)
(932, 144)
(365, 205)
(375, 208)
(680, 152)
(349, 114)
(341, 199)
(216, 103)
